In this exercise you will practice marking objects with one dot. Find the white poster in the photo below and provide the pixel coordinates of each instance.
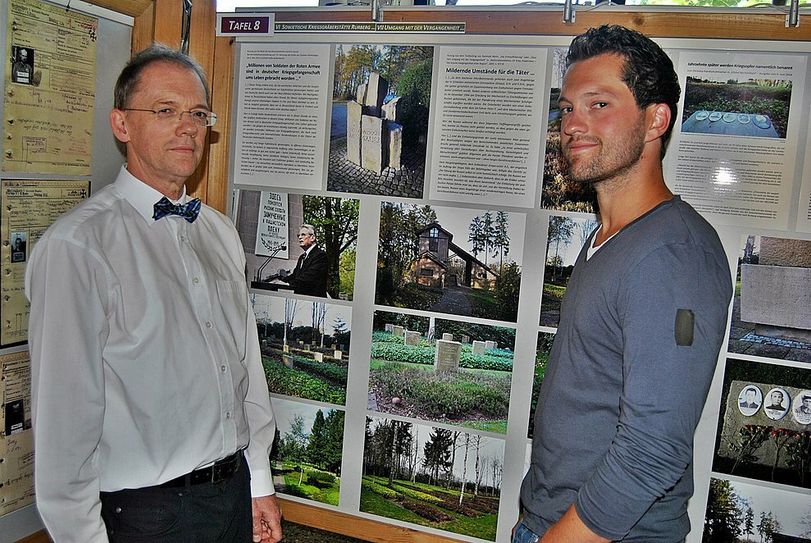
(271, 226)
(487, 128)
(735, 146)
(281, 115)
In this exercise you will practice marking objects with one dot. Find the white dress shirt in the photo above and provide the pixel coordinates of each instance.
(145, 356)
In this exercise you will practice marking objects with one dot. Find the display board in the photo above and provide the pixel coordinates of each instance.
(427, 164)
(56, 149)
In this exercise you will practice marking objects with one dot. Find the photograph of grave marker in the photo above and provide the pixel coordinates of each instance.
(420, 375)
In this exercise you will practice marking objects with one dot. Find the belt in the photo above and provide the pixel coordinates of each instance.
(220, 471)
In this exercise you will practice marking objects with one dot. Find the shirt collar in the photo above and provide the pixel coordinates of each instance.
(140, 195)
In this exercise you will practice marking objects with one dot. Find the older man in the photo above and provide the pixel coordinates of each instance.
(151, 411)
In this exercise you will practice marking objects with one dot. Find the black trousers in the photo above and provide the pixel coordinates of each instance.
(203, 513)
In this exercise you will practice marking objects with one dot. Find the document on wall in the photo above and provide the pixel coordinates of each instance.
(735, 149)
(487, 125)
(16, 439)
(281, 115)
(804, 209)
(28, 208)
(50, 89)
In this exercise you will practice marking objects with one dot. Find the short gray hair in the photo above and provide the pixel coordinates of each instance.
(309, 228)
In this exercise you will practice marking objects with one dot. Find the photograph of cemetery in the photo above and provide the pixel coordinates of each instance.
(305, 347)
(544, 348)
(269, 224)
(450, 260)
(559, 191)
(381, 99)
(306, 454)
(567, 234)
(739, 512)
(441, 370)
(755, 443)
(771, 311)
(431, 476)
(752, 107)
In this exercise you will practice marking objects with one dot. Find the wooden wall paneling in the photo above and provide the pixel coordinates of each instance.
(218, 158)
(357, 527)
(143, 29)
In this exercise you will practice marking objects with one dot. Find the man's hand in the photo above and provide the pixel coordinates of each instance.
(267, 520)
(571, 529)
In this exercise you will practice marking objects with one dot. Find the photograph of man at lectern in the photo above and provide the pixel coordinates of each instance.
(297, 243)
(307, 452)
(447, 371)
(736, 106)
(432, 476)
(754, 443)
(771, 312)
(450, 260)
(305, 347)
(380, 104)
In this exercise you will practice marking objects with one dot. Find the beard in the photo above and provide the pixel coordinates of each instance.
(612, 160)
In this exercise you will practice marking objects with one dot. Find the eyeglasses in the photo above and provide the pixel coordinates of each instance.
(200, 117)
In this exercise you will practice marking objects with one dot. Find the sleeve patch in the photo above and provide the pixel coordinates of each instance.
(684, 327)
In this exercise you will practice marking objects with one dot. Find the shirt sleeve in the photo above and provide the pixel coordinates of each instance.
(665, 383)
(68, 292)
(261, 422)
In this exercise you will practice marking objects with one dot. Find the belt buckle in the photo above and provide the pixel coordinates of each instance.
(218, 474)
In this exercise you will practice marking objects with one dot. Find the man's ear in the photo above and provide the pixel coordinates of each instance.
(658, 118)
(118, 122)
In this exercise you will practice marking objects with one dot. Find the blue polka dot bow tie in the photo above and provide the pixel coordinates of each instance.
(188, 211)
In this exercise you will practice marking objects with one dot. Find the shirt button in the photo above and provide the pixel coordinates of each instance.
(228, 414)
(208, 324)
(195, 280)
(223, 368)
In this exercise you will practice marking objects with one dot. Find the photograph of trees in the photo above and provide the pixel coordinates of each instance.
(739, 512)
(450, 260)
(445, 479)
(404, 378)
(769, 98)
(306, 454)
(335, 221)
(381, 99)
(771, 309)
(559, 191)
(542, 352)
(305, 347)
(565, 238)
(757, 446)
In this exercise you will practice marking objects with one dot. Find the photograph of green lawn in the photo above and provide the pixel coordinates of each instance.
(440, 370)
(446, 479)
(305, 347)
(306, 455)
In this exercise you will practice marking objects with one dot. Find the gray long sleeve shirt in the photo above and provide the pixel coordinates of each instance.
(641, 326)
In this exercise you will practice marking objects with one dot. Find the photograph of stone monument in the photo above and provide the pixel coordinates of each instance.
(771, 313)
(432, 476)
(761, 446)
(380, 106)
(450, 260)
(453, 372)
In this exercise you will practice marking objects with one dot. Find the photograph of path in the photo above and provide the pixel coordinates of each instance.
(431, 476)
(305, 347)
(450, 260)
(306, 455)
(441, 370)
